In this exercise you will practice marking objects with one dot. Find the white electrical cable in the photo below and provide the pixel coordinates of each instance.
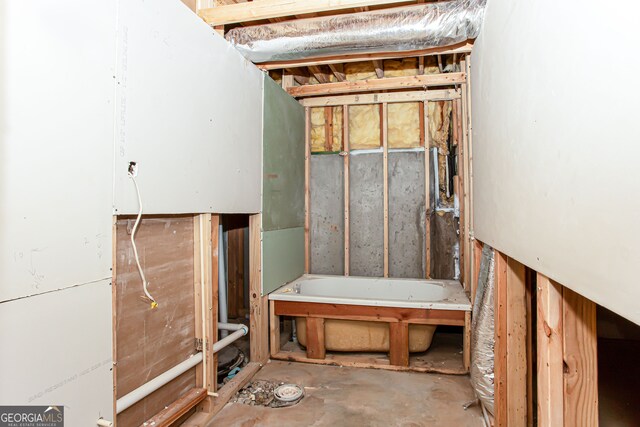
(154, 304)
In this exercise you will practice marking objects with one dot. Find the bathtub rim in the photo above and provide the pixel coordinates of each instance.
(459, 301)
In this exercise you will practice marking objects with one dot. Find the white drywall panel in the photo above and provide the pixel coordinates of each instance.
(56, 349)
(56, 144)
(188, 111)
(555, 94)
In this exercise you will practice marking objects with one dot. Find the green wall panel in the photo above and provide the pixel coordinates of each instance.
(283, 257)
(283, 164)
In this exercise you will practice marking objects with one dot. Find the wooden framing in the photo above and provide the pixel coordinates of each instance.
(566, 355)
(345, 148)
(387, 97)
(265, 9)
(427, 189)
(397, 318)
(259, 304)
(371, 85)
(384, 126)
(307, 178)
(178, 409)
(510, 342)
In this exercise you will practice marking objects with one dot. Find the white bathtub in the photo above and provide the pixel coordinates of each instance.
(382, 292)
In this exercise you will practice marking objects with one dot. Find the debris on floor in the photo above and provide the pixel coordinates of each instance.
(272, 394)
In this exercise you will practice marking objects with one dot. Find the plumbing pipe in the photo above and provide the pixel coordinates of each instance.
(104, 423)
(222, 279)
(240, 331)
(147, 388)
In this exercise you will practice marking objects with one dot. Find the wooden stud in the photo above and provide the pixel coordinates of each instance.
(399, 343)
(213, 300)
(307, 177)
(287, 80)
(580, 360)
(198, 295)
(315, 338)
(114, 317)
(385, 184)
(372, 85)
(328, 128)
(500, 348)
(465, 166)
(421, 65)
(378, 98)
(274, 329)
(421, 119)
(549, 353)
(466, 341)
(259, 305)
(477, 258)
(462, 47)
(427, 189)
(379, 68)
(467, 134)
(345, 141)
(265, 9)
(516, 344)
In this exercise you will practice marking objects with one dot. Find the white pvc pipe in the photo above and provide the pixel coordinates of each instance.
(146, 389)
(240, 330)
(104, 423)
(222, 279)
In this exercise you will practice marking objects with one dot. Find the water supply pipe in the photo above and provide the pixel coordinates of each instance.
(222, 279)
(147, 388)
(240, 331)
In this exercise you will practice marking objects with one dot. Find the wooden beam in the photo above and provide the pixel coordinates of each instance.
(463, 47)
(274, 329)
(212, 319)
(177, 409)
(405, 82)
(315, 338)
(421, 65)
(549, 353)
(259, 305)
(345, 148)
(516, 344)
(328, 128)
(399, 343)
(500, 348)
(319, 74)
(307, 177)
(580, 357)
(265, 9)
(379, 67)
(378, 98)
(338, 71)
(427, 189)
(385, 184)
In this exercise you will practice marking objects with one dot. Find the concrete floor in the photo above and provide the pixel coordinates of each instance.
(337, 396)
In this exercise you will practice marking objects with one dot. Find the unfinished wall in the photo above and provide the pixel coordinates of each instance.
(406, 131)
(556, 180)
(150, 341)
(188, 110)
(56, 162)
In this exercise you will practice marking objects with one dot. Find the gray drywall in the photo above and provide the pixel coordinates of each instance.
(283, 160)
(366, 215)
(283, 262)
(188, 111)
(555, 155)
(327, 214)
(56, 157)
(406, 214)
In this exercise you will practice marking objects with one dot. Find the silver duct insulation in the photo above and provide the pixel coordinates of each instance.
(482, 332)
(389, 30)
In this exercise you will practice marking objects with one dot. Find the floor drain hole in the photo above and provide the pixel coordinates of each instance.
(272, 394)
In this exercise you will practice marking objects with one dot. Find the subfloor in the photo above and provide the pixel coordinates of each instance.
(336, 396)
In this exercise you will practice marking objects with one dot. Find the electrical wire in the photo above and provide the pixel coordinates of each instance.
(154, 304)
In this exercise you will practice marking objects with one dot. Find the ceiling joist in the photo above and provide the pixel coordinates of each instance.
(267, 9)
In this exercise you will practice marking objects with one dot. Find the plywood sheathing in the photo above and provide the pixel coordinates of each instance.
(151, 341)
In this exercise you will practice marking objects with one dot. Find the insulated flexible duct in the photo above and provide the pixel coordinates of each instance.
(389, 30)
